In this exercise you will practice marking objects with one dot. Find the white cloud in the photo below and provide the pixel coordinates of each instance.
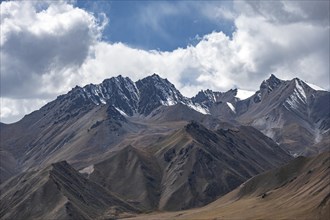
(37, 43)
(13, 109)
(284, 38)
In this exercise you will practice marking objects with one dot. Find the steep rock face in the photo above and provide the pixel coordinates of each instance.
(218, 104)
(209, 97)
(118, 91)
(58, 192)
(267, 86)
(126, 96)
(154, 92)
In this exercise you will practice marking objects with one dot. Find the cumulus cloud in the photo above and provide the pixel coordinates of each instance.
(288, 38)
(41, 46)
(12, 110)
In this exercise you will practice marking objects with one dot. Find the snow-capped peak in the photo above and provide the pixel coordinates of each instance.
(204, 95)
(297, 97)
(315, 87)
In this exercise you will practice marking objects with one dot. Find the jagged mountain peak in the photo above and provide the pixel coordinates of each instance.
(154, 76)
(208, 97)
(117, 79)
(204, 96)
(270, 84)
(156, 80)
(298, 93)
(273, 79)
(206, 91)
(156, 91)
(302, 85)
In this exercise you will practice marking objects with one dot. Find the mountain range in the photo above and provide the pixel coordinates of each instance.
(121, 148)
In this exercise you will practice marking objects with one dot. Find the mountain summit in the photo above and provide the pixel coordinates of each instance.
(156, 91)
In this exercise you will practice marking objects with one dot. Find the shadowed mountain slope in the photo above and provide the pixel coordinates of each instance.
(189, 168)
(133, 174)
(58, 192)
(298, 190)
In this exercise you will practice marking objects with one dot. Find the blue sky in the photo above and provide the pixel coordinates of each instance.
(49, 47)
(157, 25)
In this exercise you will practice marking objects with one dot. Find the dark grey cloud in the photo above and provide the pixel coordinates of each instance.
(316, 11)
(53, 40)
(288, 38)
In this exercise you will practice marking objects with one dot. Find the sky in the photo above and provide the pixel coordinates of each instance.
(49, 47)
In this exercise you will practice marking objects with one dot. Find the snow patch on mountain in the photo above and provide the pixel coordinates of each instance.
(300, 91)
(231, 107)
(121, 112)
(291, 102)
(315, 87)
(244, 94)
(169, 102)
(88, 170)
(103, 101)
(198, 108)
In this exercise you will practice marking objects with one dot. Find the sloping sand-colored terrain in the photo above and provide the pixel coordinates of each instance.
(298, 190)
